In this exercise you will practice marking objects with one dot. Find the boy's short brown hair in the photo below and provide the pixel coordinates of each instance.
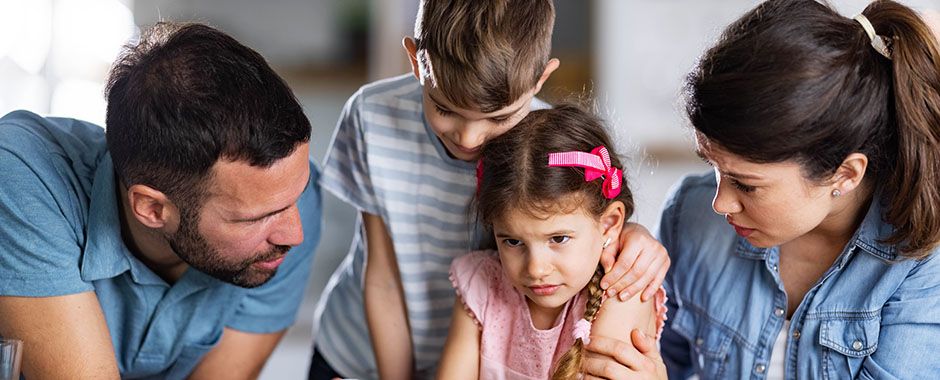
(484, 55)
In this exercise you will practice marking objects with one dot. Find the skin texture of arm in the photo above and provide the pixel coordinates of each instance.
(461, 357)
(239, 355)
(385, 304)
(616, 324)
(64, 337)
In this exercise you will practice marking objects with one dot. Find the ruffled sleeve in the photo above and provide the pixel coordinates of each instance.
(475, 276)
(660, 303)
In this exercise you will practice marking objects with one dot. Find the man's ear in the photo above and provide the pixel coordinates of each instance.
(412, 49)
(849, 175)
(151, 207)
(612, 219)
(550, 67)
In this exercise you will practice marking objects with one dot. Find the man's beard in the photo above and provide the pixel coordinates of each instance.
(193, 249)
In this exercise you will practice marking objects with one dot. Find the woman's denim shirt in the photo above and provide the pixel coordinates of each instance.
(870, 316)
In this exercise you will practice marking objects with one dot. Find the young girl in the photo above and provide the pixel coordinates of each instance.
(551, 192)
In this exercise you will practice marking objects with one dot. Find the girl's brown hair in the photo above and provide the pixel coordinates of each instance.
(793, 79)
(516, 175)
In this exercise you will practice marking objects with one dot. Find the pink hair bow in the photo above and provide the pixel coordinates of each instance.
(596, 164)
(582, 330)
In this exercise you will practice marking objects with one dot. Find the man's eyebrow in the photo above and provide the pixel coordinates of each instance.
(272, 213)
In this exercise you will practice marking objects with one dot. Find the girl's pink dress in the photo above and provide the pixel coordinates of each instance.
(510, 346)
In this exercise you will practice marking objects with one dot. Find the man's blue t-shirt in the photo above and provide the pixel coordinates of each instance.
(60, 234)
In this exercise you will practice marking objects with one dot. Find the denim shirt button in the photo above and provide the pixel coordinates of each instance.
(857, 345)
(760, 368)
(699, 342)
(796, 334)
(778, 312)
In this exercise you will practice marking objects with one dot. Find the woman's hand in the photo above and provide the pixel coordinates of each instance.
(616, 360)
(641, 263)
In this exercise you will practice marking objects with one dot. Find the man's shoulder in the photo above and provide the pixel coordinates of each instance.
(49, 166)
(26, 134)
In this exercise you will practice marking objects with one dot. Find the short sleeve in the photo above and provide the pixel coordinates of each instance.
(475, 276)
(273, 306)
(346, 167)
(40, 232)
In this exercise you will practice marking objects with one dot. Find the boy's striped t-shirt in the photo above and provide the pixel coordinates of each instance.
(385, 160)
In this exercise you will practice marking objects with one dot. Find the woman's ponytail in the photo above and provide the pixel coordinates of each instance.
(914, 185)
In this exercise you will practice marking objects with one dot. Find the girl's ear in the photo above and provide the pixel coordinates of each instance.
(613, 218)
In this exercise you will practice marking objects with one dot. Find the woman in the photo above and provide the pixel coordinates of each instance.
(817, 259)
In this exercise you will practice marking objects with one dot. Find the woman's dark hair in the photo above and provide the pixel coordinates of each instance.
(794, 80)
(187, 95)
(516, 175)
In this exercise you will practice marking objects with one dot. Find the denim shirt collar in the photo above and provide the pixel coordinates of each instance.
(105, 254)
(866, 238)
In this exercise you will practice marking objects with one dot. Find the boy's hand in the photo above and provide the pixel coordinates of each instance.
(641, 263)
(609, 358)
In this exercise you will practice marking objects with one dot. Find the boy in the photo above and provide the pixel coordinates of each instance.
(404, 153)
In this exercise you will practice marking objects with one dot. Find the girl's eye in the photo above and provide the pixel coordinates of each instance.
(560, 239)
(742, 187)
(512, 242)
(442, 111)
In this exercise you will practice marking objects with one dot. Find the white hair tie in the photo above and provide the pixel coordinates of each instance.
(877, 41)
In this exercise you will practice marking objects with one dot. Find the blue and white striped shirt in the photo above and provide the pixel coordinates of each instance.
(385, 160)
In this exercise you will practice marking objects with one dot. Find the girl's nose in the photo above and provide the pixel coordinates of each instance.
(539, 266)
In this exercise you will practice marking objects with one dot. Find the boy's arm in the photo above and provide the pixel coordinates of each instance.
(64, 337)
(641, 263)
(239, 355)
(461, 357)
(384, 301)
(611, 331)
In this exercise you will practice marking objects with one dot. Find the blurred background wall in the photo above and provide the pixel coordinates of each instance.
(630, 55)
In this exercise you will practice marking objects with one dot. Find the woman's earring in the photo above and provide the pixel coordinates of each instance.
(836, 193)
(606, 243)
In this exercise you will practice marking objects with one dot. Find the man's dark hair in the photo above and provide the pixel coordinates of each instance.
(187, 95)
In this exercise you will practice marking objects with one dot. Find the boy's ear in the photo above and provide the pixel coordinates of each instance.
(152, 207)
(613, 218)
(412, 50)
(550, 67)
